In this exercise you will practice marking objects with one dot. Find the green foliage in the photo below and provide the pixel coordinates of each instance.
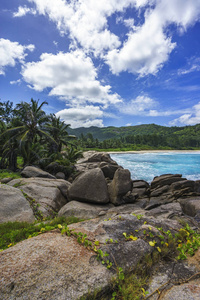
(14, 232)
(7, 174)
(141, 137)
(26, 131)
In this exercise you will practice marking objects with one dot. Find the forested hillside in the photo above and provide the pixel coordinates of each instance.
(148, 135)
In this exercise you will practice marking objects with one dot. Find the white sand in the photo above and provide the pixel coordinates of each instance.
(154, 151)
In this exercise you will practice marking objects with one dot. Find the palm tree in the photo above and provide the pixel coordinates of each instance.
(30, 120)
(58, 131)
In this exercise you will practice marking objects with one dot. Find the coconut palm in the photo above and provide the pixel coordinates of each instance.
(58, 131)
(30, 120)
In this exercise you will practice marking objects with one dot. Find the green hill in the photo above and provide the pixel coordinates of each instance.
(145, 129)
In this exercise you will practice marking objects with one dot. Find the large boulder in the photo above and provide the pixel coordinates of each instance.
(191, 206)
(169, 188)
(92, 159)
(48, 195)
(50, 266)
(93, 156)
(120, 186)
(109, 169)
(31, 171)
(83, 210)
(122, 252)
(90, 187)
(14, 206)
(166, 179)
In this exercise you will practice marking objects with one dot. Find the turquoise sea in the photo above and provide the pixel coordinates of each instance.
(150, 164)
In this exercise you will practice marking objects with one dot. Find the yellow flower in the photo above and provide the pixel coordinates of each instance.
(134, 238)
(167, 244)
(9, 245)
(158, 248)
(152, 244)
(60, 226)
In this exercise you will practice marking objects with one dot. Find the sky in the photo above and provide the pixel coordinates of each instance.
(103, 62)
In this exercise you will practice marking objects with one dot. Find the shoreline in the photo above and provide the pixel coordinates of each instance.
(153, 151)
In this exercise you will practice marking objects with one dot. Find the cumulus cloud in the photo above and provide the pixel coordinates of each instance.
(71, 76)
(86, 20)
(145, 106)
(11, 52)
(139, 106)
(82, 116)
(149, 47)
(22, 11)
(191, 118)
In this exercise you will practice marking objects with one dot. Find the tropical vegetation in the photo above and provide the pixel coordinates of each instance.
(140, 137)
(28, 134)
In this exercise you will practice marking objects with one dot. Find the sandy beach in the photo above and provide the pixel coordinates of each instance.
(154, 151)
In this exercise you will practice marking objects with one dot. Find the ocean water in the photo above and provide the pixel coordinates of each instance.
(148, 165)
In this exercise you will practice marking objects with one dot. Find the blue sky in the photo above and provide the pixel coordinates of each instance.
(103, 62)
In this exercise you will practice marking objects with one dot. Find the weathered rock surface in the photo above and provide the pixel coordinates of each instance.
(50, 194)
(50, 266)
(31, 171)
(171, 280)
(120, 186)
(165, 211)
(83, 210)
(89, 187)
(60, 175)
(191, 206)
(123, 253)
(166, 179)
(92, 159)
(14, 206)
(168, 188)
(92, 156)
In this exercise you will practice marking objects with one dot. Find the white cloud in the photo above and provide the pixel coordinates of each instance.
(16, 81)
(191, 118)
(11, 52)
(22, 11)
(86, 20)
(139, 106)
(147, 49)
(148, 107)
(82, 116)
(192, 66)
(148, 45)
(71, 76)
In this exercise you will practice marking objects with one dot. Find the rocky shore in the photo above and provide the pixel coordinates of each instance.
(52, 266)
